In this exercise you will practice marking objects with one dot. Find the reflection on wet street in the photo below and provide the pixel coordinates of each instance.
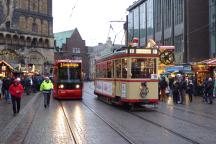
(91, 121)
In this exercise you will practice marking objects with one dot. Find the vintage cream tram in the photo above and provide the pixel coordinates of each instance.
(128, 76)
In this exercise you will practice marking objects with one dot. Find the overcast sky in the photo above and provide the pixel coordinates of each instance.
(91, 18)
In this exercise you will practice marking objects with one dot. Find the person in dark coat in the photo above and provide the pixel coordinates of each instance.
(182, 89)
(163, 85)
(210, 89)
(6, 85)
(176, 92)
(190, 89)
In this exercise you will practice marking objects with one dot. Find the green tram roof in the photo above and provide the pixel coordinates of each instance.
(139, 52)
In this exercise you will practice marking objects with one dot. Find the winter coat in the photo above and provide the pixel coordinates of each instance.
(163, 84)
(16, 91)
(210, 87)
(46, 86)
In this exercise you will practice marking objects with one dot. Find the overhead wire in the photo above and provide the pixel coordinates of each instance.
(73, 8)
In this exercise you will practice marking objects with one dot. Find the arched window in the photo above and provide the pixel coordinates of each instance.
(15, 39)
(34, 28)
(29, 24)
(8, 39)
(46, 44)
(45, 27)
(24, 4)
(22, 23)
(38, 23)
(43, 6)
(34, 5)
(2, 39)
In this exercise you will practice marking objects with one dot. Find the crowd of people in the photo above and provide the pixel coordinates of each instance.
(180, 87)
(12, 89)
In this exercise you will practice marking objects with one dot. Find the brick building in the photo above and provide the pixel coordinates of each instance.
(70, 45)
(26, 33)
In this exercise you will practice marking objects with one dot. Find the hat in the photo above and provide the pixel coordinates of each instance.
(16, 80)
(46, 77)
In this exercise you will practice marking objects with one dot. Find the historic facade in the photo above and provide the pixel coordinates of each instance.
(26, 34)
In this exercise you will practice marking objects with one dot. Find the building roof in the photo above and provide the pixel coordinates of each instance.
(135, 4)
(211, 61)
(61, 37)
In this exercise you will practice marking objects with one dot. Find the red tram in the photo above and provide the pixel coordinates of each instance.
(67, 79)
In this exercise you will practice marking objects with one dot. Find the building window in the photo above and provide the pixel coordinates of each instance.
(158, 15)
(150, 18)
(130, 26)
(178, 43)
(76, 50)
(136, 22)
(143, 24)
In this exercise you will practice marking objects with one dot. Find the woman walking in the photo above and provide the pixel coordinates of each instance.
(16, 90)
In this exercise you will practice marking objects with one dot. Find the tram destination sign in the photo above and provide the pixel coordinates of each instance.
(73, 65)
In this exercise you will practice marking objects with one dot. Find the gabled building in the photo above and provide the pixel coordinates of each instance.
(70, 45)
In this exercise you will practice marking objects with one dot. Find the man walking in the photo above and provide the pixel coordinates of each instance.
(46, 88)
(16, 90)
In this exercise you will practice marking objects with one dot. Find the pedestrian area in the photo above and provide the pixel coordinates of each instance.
(36, 124)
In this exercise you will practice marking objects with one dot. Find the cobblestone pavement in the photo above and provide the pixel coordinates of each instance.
(6, 112)
(91, 121)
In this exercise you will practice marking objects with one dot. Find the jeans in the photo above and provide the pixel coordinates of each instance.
(46, 99)
(16, 104)
(7, 96)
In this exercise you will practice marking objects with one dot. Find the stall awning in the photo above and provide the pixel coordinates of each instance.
(210, 62)
(7, 64)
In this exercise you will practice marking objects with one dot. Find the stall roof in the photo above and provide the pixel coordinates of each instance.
(211, 61)
(7, 64)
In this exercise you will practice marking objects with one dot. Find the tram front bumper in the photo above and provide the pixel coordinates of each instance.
(70, 94)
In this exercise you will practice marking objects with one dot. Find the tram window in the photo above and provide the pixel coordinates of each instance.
(109, 69)
(143, 67)
(118, 68)
(104, 69)
(124, 68)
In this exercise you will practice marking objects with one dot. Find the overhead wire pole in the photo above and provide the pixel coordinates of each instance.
(115, 21)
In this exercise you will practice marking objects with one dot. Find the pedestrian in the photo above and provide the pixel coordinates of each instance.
(182, 89)
(6, 85)
(205, 90)
(1, 83)
(16, 90)
(176, 92)
(163, 85)
(209, 89)
(190, 88)
(46, 87)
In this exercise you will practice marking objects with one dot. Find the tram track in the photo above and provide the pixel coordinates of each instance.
(127, 138)
(161, 126)
(69, 126)
(209, 116)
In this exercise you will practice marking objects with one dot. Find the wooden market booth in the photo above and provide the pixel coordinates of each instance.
(5, 69)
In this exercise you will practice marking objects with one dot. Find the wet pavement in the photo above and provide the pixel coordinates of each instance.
(91, 121)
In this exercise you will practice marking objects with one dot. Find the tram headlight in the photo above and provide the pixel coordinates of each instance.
(77, 86)
(61, 86)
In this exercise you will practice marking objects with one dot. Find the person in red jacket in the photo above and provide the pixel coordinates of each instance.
(16, 90)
